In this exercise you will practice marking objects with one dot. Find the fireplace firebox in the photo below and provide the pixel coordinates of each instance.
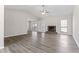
(52, 28)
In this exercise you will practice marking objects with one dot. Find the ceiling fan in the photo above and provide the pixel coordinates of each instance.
(44, 11)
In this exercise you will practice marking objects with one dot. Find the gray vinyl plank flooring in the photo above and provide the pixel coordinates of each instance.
(40, 43)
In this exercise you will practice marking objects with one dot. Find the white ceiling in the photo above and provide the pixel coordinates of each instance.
(54, 10)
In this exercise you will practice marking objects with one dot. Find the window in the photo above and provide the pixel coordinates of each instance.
(34, 24)
(63, 25)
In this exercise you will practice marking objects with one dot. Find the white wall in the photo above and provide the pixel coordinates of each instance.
(76, 24)
(50, 21)
(15, 22)
(1, 26)
(55, 21)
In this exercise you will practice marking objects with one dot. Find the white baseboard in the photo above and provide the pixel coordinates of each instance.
(76, 41)
(14, 35)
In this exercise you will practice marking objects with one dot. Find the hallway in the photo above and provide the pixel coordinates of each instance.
(40, 43)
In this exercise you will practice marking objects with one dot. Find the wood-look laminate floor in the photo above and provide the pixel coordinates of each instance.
(40, 43)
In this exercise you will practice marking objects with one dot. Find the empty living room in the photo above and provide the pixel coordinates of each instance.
(41, 29)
